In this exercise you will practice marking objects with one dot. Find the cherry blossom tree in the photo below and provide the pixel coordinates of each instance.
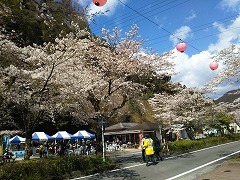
(27, 94)
(89, 74)
(231, 109)
(230, 58)
(235, 111)
(222, 117)
(187, 106)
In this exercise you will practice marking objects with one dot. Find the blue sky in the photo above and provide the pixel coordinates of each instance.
(207, 26)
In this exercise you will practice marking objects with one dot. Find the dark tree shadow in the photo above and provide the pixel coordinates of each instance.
(124, 174)
(128, 159)
(225, 153)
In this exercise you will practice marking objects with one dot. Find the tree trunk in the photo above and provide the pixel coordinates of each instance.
(230, 130)
(28, 149)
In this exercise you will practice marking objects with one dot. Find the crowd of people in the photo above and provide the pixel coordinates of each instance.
(151, 148)
(64, 147)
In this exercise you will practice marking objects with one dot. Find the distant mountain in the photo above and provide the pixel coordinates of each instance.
(229, 96)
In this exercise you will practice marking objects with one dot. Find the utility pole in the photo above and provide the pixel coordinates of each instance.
(102, 123)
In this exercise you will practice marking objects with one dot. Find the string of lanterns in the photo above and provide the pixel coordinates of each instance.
(181, 47)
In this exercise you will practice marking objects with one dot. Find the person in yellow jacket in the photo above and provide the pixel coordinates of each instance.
(148, 144)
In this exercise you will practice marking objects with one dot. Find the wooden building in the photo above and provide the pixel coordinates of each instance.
(131, 133)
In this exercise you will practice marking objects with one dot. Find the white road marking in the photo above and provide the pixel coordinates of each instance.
(204, 165)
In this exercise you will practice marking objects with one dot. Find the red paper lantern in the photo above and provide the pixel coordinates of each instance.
(213, 65)
(99, 2)
(181, 47)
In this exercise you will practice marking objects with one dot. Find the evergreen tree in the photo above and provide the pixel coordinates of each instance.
(36, 22)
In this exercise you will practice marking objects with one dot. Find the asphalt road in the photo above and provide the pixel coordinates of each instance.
(183, 167)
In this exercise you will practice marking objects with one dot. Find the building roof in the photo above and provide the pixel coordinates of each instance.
(122, 132)
(120, 127)
(132, 126)
(146, 126)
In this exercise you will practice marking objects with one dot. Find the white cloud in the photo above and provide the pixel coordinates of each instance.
(181, 33)
(83, 3)
(232, 5)
(228, 35)
(110, 7)
(191, 17)
(193, 71)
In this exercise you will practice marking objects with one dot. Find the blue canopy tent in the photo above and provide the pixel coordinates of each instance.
(82, 134)
(92, 136)
(17, 150)
(41, 136)
(17, 139)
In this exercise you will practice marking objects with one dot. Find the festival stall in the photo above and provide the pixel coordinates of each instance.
(41, 136)
(62, 138)
(63, 135)
(17, 139)
(17, 146)
(83, 134)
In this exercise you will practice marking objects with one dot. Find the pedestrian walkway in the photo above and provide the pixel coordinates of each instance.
(228, 170)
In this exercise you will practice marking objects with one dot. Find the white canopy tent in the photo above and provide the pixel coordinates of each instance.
(62, 135)
(41, 136)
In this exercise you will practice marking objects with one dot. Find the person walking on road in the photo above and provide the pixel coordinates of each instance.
(148, 144)
(157, 148)
(143, 150)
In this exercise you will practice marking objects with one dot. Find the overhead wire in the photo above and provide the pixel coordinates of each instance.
(161, 41)
(200, 38)
(187, 42)
(147, 12)
(157, 13)
(125, 16)
(201, 27)
(197, 28)
(158, 25)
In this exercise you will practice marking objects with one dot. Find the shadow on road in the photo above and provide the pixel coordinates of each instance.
(128, 159)
(225, 153)
(125, 174)
(186, 155)
(189, 155)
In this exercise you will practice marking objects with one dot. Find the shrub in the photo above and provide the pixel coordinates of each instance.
(54, 168)
(183, 146)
